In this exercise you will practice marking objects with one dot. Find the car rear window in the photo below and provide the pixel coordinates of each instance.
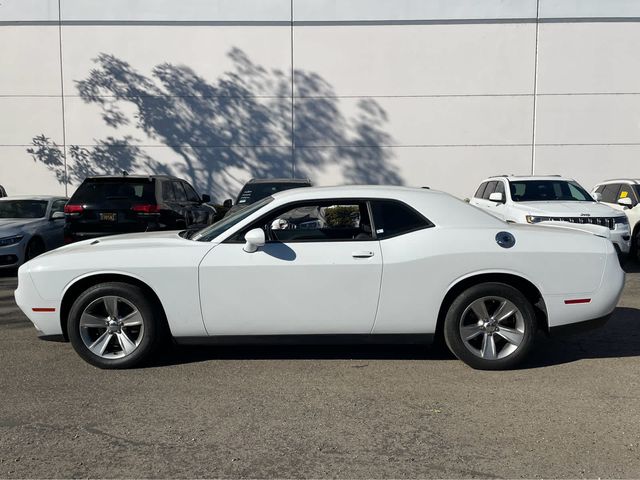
(253, 192)
(393, 218)
(23, 208)
(101, 189)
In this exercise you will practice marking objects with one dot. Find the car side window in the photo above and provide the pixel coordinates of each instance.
(500, 189)
(610, 193)
(192, 196)
(168, 195)
(320, 221)
(392, 218)
(491, 187)
(58, 206)
(599, 189)
(181, 196)
(627, 192)
(480, 190)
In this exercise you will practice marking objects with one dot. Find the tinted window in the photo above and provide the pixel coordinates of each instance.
(500, 188)
(393, 218)
(252, 192)
(58, 206)
(599, 189)
(610, 193)
(168, 195)
(181, 196)
(100, 189)
(547, 190)
(491, 186)
(192, 196)
(320, 221)
(23, 208)
(480, 190)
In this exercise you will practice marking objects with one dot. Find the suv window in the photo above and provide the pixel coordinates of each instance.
(168, 195)
(610, 193)
(320, 221)
(181, 196)
(252, 192)
(480, 190)
(192, 196)
(393, 218)
(58, 205)
(500, 189)
(547, 190)
(99, 190)
(491, 187)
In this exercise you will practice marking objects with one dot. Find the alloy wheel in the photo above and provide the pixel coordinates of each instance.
(111, 327)
(492, 327)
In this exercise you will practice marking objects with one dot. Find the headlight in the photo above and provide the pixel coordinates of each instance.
(6, 241)
(534, 219)
(621, 220)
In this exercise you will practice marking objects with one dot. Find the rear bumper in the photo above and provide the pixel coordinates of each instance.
(43, 314)
(579, 327)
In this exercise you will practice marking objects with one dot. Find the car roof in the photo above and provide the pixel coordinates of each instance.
(530, 177)
(620, 180)
(279, 180)
(34, 197)
(352, 191)
(149, 177)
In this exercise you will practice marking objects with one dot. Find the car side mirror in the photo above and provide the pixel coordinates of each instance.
(497, 197)
(254, 239)
(597, 196)
(57, 216)
(625, 202)
(206, 198)
(228, 203)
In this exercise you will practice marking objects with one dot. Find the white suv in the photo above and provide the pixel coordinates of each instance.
(528, 199)
(623, 195)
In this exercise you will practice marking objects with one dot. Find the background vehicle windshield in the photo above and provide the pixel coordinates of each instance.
(253, 192)
(100, 189)
(23, 208)
(211, 232)
(547, 190)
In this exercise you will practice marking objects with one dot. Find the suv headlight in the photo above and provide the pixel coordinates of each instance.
(621, 220)
(535, 219)
(6, 241)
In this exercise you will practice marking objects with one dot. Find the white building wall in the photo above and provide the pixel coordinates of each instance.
(418, 92)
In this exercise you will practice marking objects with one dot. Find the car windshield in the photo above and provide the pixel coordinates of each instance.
(547, 190)
(23, 208)
(211, 232)
(252, 192)
(98, 190)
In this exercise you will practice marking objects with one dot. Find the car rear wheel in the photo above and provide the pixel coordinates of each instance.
(490, 326)
(114, 325)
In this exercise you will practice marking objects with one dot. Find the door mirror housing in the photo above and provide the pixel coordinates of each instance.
(57, 216)
(625, 202)
(206, 198)
(228, 203)
(497, 197)
(254, 239)
(597, 196)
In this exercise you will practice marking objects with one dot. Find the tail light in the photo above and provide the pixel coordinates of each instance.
(146, 209)
(73, 210)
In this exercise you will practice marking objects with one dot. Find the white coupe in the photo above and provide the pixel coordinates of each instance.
(370, 263)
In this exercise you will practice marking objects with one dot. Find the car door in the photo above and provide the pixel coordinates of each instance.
(319, 272)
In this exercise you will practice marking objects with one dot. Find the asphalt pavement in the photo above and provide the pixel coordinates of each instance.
(343, 412)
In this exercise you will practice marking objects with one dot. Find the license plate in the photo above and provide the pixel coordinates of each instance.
(109, 217)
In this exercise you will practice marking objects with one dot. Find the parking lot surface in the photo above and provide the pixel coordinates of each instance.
(368, 412)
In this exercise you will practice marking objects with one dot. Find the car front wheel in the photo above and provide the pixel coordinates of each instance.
(114, 325)
(490, 326)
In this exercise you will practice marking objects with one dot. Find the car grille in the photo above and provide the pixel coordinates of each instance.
(608, 222)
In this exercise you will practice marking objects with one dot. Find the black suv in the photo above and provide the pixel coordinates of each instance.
(257, 189)
(110, 205)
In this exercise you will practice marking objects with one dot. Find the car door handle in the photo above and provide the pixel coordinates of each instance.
(362, 254)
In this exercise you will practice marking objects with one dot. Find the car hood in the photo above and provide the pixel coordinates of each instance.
(13, 226)
(567, 209)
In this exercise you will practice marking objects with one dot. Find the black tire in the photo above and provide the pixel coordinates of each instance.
(635, 245)
(462, 316)
(151, 331)
(34, 248)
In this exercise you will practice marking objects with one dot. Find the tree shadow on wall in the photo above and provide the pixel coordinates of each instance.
(237, 126)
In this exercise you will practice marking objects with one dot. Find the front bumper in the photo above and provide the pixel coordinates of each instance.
(621, 238)
(12, 256)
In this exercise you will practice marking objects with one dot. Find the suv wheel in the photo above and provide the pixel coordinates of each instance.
(490, 326)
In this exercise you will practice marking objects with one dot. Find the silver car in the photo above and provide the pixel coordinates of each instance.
(29, 226)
